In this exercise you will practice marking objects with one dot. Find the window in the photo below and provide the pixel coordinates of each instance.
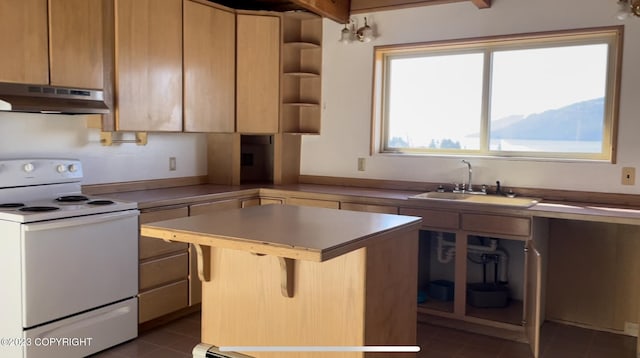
(544, 95)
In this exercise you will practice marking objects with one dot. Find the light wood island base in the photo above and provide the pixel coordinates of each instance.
(352, 278)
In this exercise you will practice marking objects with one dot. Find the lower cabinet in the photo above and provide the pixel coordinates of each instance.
(163, 271)
(481, 272)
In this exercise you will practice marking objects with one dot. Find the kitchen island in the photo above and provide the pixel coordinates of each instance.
(280, 275)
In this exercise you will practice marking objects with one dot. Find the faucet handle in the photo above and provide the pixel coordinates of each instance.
(484, 188)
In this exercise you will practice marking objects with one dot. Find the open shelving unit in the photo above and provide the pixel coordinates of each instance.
(301, 73)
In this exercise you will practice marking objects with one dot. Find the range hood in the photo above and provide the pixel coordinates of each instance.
(47, 99)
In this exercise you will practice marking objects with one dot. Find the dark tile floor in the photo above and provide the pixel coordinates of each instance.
(177, 339)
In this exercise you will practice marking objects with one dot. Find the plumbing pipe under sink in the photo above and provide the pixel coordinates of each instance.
(446, 251)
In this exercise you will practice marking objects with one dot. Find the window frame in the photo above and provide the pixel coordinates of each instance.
(611, 35)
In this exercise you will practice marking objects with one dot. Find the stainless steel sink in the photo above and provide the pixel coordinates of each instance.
(520, 202)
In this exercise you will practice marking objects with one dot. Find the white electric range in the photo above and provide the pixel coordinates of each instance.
(68, 263)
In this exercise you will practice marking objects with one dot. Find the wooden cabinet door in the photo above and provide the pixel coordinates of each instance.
(75, 33)
(23, 25)
(258, 73)
(148, 65)
(533, 297)
(209, 69)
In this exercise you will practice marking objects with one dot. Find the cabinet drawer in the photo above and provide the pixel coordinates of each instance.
(250, 202)
(164, 214)
(496, 224)
(383, 209)
(162, 271)
(314, 202)
(434, 218)
(214, 206)
(162, 300)
(150, 247)
(269, 201)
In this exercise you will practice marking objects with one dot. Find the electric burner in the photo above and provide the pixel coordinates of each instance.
(11, 205)
(38, 208)
(72, 198)
(100, 202)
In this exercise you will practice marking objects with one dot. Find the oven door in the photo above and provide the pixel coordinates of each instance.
(75, 264)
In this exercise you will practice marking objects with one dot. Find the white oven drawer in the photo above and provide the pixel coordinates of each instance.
(84, 334)
(75, 264)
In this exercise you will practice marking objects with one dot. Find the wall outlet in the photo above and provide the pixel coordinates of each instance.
(361, 164)
(172, 163)
(628, 176)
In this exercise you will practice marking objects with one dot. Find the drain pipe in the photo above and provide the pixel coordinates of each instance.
(445, 254)
(446, 251)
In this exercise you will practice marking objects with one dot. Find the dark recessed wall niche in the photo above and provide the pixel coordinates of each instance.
(256, 159)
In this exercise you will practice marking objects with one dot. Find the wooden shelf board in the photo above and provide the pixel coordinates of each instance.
(300, 104)
(302, 74)
(302, 45)
(512, 314)
(433, 305)
(515, 333)
(301, 133)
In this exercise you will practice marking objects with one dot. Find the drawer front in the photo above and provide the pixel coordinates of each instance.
(435, 218)
(166, 214)
(314, 202)
(162, 300)
(165, 270)
(269, 201)
(496, 224)
(150, 247)
(197, 209)
(246, 203)
(382, 209)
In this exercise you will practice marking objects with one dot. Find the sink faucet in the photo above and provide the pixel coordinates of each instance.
(469, 172)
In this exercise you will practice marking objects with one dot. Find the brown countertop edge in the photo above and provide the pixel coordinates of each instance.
(182, 195)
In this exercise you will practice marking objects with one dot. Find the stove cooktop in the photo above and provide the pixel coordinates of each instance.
(52, 209)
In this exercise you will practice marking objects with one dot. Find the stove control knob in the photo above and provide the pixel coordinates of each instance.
(61, 168)
(28, 167)
(73, 168)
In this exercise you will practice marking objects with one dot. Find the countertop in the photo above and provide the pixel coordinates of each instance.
(297, 232)
(208, 192)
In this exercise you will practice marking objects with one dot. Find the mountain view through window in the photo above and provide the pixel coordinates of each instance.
(501, 100)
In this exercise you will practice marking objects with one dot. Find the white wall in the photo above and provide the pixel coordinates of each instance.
(347, 79)
(24, 135)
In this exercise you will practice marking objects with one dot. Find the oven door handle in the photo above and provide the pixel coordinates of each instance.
(81, 220)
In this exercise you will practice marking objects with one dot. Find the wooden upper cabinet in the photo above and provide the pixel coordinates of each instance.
(148, 65)
(258, 73)
(336, 10)
(209, 68)
(363, 6)
(23, 25)
(76, 50)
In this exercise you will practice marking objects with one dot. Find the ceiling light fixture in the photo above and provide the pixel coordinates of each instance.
(626, 7)
(362, 34)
